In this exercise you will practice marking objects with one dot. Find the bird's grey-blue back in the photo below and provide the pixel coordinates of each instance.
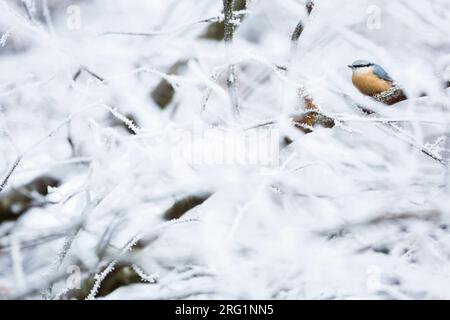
(380, 72)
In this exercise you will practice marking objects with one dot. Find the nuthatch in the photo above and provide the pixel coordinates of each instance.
(370, 78)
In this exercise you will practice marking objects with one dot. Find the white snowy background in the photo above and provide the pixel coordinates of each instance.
(349, 212)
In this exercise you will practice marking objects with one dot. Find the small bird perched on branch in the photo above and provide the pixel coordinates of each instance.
(370, 78)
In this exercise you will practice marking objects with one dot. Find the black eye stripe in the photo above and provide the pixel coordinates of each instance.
(363, 65)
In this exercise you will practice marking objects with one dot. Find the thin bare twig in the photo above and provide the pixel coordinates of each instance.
(10, 172)
(180, 28)
(162, 32)
(93, 74)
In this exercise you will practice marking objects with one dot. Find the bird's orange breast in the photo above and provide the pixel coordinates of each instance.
(370, 84)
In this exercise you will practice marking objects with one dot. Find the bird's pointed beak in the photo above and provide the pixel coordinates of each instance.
(350, 66)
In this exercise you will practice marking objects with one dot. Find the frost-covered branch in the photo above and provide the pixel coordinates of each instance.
(391, 96)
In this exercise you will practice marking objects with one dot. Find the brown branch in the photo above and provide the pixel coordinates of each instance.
(391, 96)
(396, 94)
(183, 205)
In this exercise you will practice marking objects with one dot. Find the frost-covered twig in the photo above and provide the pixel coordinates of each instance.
(394, 128)
(425, 150)
(72, 235)
(395, 94)
(391, 96)
(99, 277)
(150, 278)
(230, 25)
(129, 123)
(4, 38)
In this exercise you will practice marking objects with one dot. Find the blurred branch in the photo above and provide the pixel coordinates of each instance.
(32, 243)
(47, 16)
(70, 238)
(309, 6)
(209, 89)
(299, 28)
(308, 119)
(28, 10)
(183, 205)
(385, 218)
(230, 25)
(177, 29)
(164, 91)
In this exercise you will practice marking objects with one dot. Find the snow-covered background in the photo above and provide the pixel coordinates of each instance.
(119, 181)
